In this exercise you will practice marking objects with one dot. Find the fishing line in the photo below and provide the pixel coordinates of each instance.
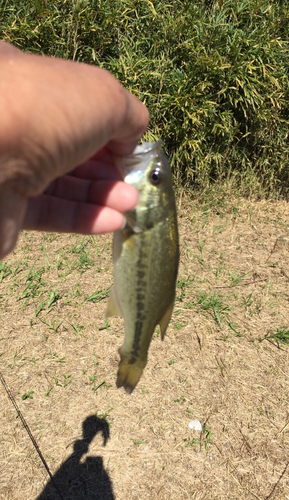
(26, 427)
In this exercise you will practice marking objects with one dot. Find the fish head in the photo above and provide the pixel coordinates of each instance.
(147, 169)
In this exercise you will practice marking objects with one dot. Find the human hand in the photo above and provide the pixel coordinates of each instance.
(61, 123)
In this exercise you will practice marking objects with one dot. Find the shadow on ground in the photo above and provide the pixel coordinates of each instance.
(82, 481)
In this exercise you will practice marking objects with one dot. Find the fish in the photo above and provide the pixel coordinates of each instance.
(145, 258)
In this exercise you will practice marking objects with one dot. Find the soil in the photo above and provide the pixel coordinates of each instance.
(224, 362)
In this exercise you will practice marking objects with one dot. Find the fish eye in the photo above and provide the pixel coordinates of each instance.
(155, 177)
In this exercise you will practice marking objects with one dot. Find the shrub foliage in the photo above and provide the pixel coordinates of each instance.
(214, 74)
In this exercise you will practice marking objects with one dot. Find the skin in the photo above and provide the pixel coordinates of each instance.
(61, 124)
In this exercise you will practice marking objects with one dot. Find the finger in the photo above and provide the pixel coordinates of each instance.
(12, 210)
(47, 213)
(114, 194)
(96, 169)
(135, 122)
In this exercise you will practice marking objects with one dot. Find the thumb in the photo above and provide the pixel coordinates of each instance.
(12, 210)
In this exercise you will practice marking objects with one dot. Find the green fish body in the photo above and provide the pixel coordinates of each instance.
(145, 256)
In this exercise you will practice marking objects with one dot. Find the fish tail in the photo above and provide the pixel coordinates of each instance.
(129, 371)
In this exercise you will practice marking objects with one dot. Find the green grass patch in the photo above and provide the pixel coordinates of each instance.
(281, 335)
(214, 76)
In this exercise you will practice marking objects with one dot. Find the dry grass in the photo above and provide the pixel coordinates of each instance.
(214, 365)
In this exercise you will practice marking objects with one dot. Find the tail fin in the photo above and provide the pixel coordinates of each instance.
(129, 371)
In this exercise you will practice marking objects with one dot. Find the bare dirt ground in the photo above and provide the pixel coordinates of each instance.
(219, 363)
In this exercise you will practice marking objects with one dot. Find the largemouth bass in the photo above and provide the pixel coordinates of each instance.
(146, 257)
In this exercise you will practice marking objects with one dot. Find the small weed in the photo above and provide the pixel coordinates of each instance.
(34, 284)
(52, 325)
(105, 327)
(234, 327)
(27, 395)
(83, 260)
(16, 357)
(96, 363)
(218, 228)
(201, 245)
(236, 278)
(48, 391)
(273, 264)
(136, 442)
(281, 335)
(96, 386)
(56, 380)
(219, 270)
(67, 380)
(5, 270)
(157, 331)
(58, 261)
(179, 325)
(98, 296)
(205, 217)
(53, 355)
(104, 415)
(214, 302)
(183, 284)
(182, 399)
(248, 301)
(46, 256)
(39, 308)
(53, 298)
(205, 439)
(192, 442)
(15, 270)
(207, 436)
(76, 292)
(76, 328)
(171, 362)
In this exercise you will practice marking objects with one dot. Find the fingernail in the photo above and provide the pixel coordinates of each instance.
(124, 222)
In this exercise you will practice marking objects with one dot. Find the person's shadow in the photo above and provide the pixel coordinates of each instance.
(82, 481)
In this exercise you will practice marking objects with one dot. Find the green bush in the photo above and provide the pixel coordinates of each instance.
(214, 74)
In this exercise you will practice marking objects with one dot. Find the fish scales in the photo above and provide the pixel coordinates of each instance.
(145, 255)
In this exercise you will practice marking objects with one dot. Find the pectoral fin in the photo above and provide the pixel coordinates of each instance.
(112, 308)
(164, 321)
